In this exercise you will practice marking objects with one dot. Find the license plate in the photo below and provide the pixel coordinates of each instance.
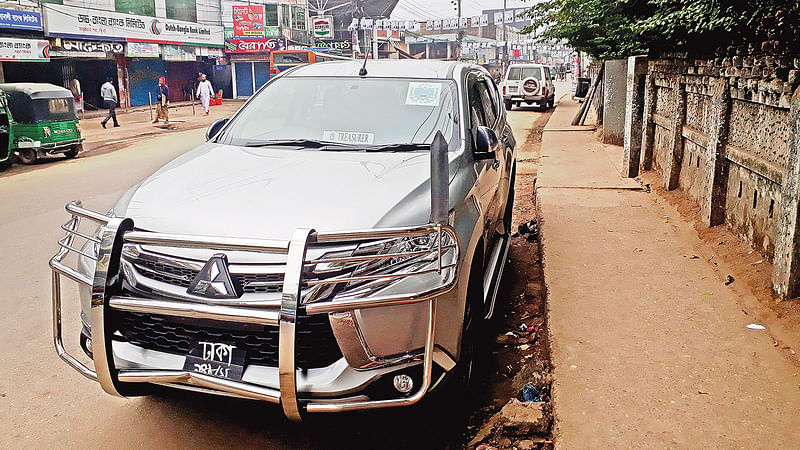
(216, 359)
(512, 88)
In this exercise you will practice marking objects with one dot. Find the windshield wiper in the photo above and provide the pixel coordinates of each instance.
(398, 147)
(307, 143)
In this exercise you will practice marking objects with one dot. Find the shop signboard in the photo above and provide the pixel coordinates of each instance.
(248, 21)
(179, 53)
(13, 49)
(323, 27)
(89, 46)
(77, 22)
(20, 20)
(335, 45)
(272, 32)
(254, 45)
(143, 50)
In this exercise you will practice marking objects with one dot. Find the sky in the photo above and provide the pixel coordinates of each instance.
(439, 9)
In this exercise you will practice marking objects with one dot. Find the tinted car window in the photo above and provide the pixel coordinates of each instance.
(489, 106)
(534, 72)
(513, 74)
(476, 109)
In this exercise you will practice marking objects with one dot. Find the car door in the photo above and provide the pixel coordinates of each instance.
(506, 151)
(488, 170)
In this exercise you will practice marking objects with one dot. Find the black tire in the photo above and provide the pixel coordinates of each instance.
(464, 385)
(509, 105)
(73, 152)
(27, 156)
(6, 164)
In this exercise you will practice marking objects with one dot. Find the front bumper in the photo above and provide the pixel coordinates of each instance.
(524, 98)
(49, 148)
(118, 367)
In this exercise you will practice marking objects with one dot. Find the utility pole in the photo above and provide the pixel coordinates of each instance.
(505, 39)
(460, 34)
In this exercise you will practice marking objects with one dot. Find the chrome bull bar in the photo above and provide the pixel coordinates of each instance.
(114, 231)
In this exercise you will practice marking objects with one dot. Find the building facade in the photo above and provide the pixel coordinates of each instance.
(134, 42)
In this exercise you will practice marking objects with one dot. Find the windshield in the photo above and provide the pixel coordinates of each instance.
(352, 111)
(290, 58)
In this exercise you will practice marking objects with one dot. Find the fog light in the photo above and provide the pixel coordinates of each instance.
(403, 383)
(89, 345)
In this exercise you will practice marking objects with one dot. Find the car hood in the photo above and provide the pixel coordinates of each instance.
(222, 190)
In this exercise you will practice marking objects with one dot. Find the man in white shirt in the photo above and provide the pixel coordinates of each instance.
(205, 92)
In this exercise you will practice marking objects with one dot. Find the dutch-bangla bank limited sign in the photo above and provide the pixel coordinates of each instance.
(75, 22)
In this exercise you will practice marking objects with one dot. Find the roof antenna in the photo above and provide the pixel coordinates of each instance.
(363, 71)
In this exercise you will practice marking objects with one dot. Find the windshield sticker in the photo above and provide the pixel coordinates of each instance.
(423, 94)
(348, 137)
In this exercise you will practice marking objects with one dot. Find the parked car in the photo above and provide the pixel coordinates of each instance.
(530, 84)
(334, 246)
(43, 121)
(6, 154)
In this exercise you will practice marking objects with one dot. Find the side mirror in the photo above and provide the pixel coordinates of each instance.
(215, 128)
(485, 143)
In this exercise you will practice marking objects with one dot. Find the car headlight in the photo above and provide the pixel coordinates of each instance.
(396, 266)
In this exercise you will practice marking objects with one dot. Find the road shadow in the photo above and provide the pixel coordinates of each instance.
(222, 422)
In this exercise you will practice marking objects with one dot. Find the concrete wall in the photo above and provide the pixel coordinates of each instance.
(725, 131)
(615, 77)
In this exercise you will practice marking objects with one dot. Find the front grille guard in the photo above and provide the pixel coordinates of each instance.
(116, 231)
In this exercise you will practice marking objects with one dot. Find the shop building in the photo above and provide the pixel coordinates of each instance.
(135, 43)
(254, 29)
(23, 47)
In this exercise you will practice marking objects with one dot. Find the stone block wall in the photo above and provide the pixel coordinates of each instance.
(724, 131)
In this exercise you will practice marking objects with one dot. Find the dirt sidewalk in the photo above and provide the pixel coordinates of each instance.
(650, 347)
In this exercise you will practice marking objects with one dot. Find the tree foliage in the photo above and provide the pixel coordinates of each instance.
(619, 28)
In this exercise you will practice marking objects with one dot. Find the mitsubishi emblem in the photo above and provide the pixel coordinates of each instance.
(214, 280)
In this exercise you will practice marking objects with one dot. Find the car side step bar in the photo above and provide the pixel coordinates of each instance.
(497, 263)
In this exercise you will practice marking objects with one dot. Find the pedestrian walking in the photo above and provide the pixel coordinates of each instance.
(162, 99)
(109, 95)
(205, 92)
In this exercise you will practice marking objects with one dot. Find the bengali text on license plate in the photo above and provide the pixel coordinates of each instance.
(216, 359)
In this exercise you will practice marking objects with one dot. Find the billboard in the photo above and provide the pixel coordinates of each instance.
(83, 23)
(248, 21)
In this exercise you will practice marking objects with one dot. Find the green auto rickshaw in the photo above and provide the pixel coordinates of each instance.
(6, 153)
(43, 121)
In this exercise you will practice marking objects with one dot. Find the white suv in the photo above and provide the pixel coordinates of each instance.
(528, 83)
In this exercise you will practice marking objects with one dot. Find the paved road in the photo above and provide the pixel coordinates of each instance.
(45, 404)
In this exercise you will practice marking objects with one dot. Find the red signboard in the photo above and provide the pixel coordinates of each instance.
(248, 21)
(254, 45)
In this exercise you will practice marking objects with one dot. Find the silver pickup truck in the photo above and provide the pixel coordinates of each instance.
(334, 246)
